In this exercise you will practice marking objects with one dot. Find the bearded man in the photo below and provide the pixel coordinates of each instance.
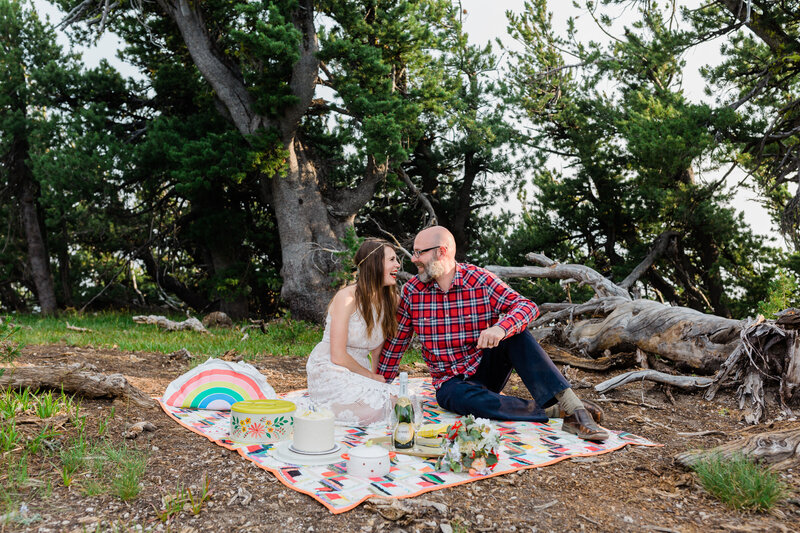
(473, 330)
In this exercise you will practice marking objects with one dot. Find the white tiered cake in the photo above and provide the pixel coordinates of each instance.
(313, 432)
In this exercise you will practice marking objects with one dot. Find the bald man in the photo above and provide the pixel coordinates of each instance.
(473, 330)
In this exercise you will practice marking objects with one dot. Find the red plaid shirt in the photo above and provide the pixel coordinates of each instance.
(448, 323)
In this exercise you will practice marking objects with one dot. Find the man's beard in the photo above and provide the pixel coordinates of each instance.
(431, 271)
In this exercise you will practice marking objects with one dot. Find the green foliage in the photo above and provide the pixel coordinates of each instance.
(346, 273)
(635, 154)
(9, 350)
(783, 292)
(740, 483)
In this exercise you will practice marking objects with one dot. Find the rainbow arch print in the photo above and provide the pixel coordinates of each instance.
(216, 388)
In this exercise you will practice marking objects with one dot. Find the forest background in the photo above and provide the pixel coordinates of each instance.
(258, 140)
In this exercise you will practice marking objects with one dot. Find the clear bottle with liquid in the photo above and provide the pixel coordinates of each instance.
(404, 431)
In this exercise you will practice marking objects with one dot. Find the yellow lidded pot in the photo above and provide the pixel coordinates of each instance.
(261, 421)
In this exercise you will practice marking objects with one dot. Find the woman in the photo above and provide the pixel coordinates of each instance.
(342, 376)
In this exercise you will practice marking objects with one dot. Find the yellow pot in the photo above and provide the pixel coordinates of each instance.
(261, 421)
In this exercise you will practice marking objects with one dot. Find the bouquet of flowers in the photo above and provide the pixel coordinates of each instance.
(472, 445)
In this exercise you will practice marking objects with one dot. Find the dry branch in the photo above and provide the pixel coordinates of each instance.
(74, 379)
(552, 270)
(76, 328)
(163, 322)
(683, 382)
(659, 247)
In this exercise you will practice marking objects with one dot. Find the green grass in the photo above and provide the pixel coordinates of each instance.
(124, 469)
(283, 337)
(740, 483)
(117, 330)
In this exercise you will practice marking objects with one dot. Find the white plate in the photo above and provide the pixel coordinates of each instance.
(335, 449)
(284, 454)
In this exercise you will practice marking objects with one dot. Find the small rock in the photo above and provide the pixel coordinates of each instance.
(136, 429)
(446, 527)
(181, 355)
(217, 319)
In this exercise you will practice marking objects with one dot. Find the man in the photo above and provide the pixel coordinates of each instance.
(455, 310)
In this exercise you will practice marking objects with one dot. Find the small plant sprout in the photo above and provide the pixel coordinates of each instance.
(172, 504)
(9, 436)
(47, 406)
(196, 503)
(102, 425)
(24, 399)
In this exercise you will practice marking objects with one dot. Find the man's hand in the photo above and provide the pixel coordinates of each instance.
(490, 337)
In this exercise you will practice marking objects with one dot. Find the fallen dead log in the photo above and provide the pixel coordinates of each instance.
(779, 450)
(682, 382)
(74, 379)
(170, 325)
(688, 337)
(600, 364)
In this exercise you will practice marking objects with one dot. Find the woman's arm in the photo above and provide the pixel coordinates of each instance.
(342, 307)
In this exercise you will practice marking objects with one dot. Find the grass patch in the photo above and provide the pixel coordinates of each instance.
(740, 483)
(284, 337)
(117, 330)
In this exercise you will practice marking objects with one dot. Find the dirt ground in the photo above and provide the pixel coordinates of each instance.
(633, 489)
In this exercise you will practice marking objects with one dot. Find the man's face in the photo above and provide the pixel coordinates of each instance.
(428, 263)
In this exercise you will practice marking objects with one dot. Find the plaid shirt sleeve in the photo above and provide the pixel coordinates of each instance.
(518, 310)
(394, 348)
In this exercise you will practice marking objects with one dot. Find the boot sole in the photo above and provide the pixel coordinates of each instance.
(595, 436)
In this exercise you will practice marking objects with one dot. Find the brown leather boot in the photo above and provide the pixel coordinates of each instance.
(580, 423)
(595, 410)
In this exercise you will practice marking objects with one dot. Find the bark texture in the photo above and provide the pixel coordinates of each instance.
(74, 379)
(779, 450)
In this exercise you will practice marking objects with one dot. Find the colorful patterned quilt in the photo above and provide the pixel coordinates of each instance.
(524, 445)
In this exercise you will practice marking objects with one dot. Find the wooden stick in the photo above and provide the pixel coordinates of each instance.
(76, 328)
(629, 402)
(683, 382)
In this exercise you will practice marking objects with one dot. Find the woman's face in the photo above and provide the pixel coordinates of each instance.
(390, 266)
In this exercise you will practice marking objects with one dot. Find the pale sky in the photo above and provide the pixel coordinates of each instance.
(486, 21)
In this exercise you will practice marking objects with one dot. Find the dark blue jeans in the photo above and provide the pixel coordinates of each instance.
(479, 394)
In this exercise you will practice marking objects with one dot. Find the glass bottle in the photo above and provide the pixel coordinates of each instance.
(404, 431)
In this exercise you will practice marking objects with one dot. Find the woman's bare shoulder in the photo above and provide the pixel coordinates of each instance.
(345, 300)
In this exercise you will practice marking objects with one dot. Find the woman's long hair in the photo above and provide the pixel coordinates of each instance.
(372, 297)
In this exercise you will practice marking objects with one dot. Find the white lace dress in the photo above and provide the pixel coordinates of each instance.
(356, 400)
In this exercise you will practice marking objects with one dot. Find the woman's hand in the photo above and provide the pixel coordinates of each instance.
(378, 377)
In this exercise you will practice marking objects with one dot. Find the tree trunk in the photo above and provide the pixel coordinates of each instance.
(28, 195)
(305, 230)
(63, 267)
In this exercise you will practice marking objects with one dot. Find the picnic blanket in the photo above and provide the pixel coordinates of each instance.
(523, 445)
